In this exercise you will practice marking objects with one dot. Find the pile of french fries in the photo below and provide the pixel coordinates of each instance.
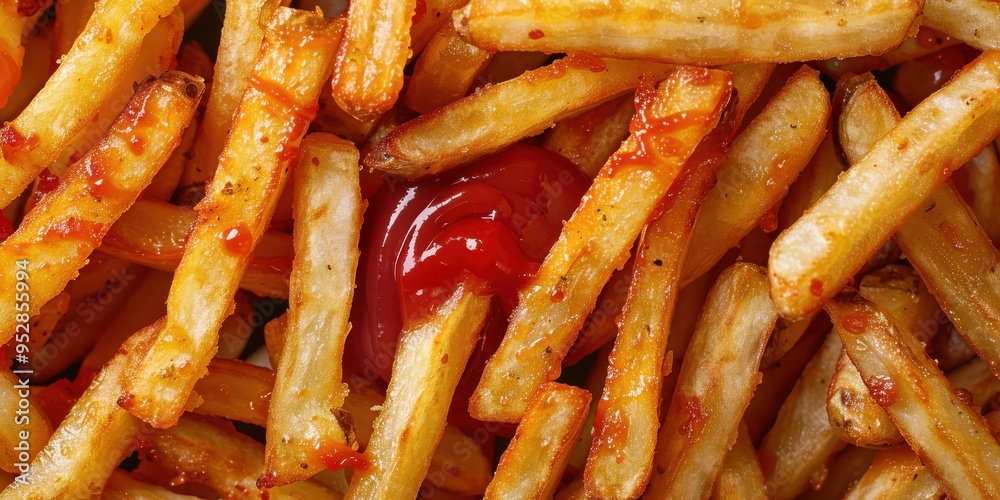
(782, 280)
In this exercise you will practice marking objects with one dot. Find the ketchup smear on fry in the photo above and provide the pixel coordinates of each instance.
(494, 219)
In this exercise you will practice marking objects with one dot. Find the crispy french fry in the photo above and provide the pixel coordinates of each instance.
(597, 238)
(70, 222)
(101, 56)
(801, 442)
(741, 476)
(716, 382)
(949, 436)
(533, 464)
(763, 162)
(594, 384)
(368, 75)
(44, 322)
(284, 85)
(428, 17)
(234, 390)
(590, 138)
(26, 430)
(444, 72)
(124, 486)
(429, 361)
(971, 21)
(328, 208)
(816, 256)
(896, 473)
(242, 33)
(701, 33)
(505, 113)
(866, 115)
(814, 180)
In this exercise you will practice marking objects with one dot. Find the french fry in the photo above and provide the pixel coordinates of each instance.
(71, 221)
(597, 238)
(234, 334)
(96, 435)
(533, 464)
(71, 19)
(155, 234)
(896, 473)
(949, 436)
(283, 89)
(984, 182)
(590, 138)
(594, 384)
(34, 73)
(101, 56)
(975, 377)
(801, 442)
(214, 454)
(26, 429)
(368, 75)
(927, 41)
(44, 322)
(444, 72)
(505, 113)
(762, 163)
(814, 180)
(124, 486)
(428, 17)
(701, 33)
(242, 33)
(741, 477)
(971, 21)
(816, 256)
(716, 382)
(234, 390)
(509, 65)
(866, 115)
(432, 356)
(844, 472)
(11, 50)
(328, 208)
(600, 328)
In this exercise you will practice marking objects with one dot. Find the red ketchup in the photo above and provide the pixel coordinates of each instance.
(494, 219)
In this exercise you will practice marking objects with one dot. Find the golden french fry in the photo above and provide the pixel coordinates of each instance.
(948, 435)
(145, 305)
(813, 259)
(234, 390)
(866, 115)
(508, 65)
(814, 180)
(533, 464)
(101, 56)
(71, 19)
(701, 33)
(328, 208)
(762, 163)
(597, 238)
(971, 21)
(500, 115)
(124, 486)
(599, 329)
(34, 73)
(590, 138)
(242, 33)
(844, 472)
(927, 41)
(26, 429)
(741, 476)
(44, 322)
(428, 17)
(984, 182)
(368, 74)
(429, 361)
(896, 473)
(234, 334)
(65, 227)
(283, 86)
(716, 382)
(444, 72)
(594, 384)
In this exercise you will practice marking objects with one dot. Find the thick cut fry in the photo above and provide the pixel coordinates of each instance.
(533, 464)
(801, 442)
(717, 380)
(741, 477)
(813, 259)
(444, 72)
(93, 438)
(279, 103)
(762, 163)
(101, 56)
(948, 435)
(59, 235)
(429, 361)
(124, 486)
(597, 238)
(498, 116)
(701, 33)
(971, 21)
(308, 391)
(620, 463)
(590, 138)
(242, 33)
(25, 430)
(368, 75)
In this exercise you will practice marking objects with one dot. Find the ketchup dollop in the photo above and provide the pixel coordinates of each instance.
(495, 220)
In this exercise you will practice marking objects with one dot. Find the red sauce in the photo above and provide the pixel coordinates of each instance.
(338, 456)
(98, 182)
(883, 390)
(855, 323)
(419, 12)
(930, 38)
(494, 219)
(816, 287)
(693, 416)
(47, 182)
(6, 228)
(237, 240)
(964, 395)
(535, 34)
(137, 144)
(10, 74)
(585, 61)
(769, 221)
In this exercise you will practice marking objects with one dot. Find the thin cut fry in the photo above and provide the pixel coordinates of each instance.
(717, 380)
(813, 259)
(741, 477)
(308, 391)
(948, 435)
(66, 226)
(498, 116)
(101, 57)
(700, 33)
(444, 72)
(597, 238)
(429, 361)
(971, 21)
(533, 464)
(279, 103)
